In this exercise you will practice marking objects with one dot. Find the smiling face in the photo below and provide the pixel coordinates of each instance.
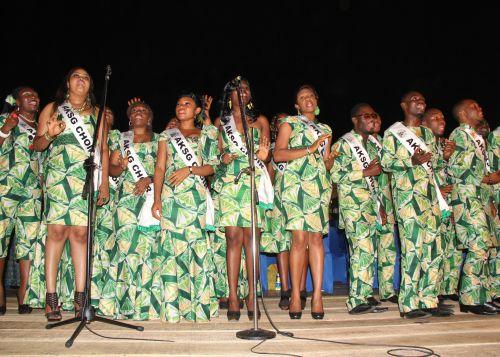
(306, 101)
(186, 109)
(246, 94)
(28, 100)
(79, 82)
(363, 120)
(434, 120)
(140, 116)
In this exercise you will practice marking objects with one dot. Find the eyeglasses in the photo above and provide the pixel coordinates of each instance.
(368, 115)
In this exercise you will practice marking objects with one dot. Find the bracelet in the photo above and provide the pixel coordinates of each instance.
(3, 135)
(48, 137)
(190, 170)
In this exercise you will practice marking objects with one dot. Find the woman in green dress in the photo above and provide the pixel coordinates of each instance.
(65, 130)
(104, 240)
(20, 190)
(132, 268)
(233, 198)
(185, 208)
(304, 145)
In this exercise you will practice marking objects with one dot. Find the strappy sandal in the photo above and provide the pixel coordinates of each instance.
(78, 302)
(52, 302)
(284, 303)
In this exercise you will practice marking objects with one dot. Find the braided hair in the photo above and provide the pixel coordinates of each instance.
(250, 110)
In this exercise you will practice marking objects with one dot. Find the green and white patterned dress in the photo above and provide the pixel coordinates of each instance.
(65, 177)
(494, 157)
(20, 193)
(136, 295)
(306, 187)
(104, 240)
(275, 238)
(234, 198)
(185, 259)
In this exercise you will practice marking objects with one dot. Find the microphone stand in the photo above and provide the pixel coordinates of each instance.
(254, 333)
(87, 312)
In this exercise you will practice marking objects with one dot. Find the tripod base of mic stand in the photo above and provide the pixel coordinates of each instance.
(255, 334)
(88, 315)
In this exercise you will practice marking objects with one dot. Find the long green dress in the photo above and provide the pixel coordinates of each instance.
(494, 157)
(20, 193)
(136, 295)
(185, 258)
(104, 239)
(306, 187)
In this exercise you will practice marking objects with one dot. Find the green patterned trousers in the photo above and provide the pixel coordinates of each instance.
(449, 274)
(386, 260)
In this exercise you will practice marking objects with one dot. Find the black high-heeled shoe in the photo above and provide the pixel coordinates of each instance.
(295, 315)
(316, 315)
(284, 303)
(24, 309)
(251, 315)
(3, 310)
(52, 302)
(233, 315)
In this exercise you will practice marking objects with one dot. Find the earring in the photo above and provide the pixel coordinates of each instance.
(67, 95)
(250, 106)
(230, 104)
(298, 112)
(130, 123)
(316, 111)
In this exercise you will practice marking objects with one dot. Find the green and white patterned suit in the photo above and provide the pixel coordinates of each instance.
(475, 225)
(385, 244)
(358, 212)
(494, 156)
(306, 187)
(419, 221)
(20, 193)
(185, 259)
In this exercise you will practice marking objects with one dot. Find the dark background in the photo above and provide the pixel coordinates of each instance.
(352, 51)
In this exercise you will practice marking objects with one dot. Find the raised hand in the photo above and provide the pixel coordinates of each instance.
(420, 157)
(11, 122)
(373, 168)
(178, 176)
(133, 100)
(208, 104)
(314, 147)
(55, 126)
(449, 148)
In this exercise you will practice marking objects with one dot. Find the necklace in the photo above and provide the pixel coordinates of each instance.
(26, 119)
(81, 109)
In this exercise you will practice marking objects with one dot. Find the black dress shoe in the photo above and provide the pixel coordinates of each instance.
(415, 314)
(284, 303)
(492, 306)
(24, 309)
(393, 299)
(439, 312)
(367, 308)
(303, 299)
(295, 315)
(3, 310)
(233, 315)
(477, 309)
(372, 301)
(497, 300)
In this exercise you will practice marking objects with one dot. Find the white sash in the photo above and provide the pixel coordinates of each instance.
(412, 142)
(190, 159)
(480, 148)
(278, 166)
(146, 221)
(82, 135)
(265, 191)
(364, 160)
(440, 147)
(377, 143)
(26, 129)
(316, 131)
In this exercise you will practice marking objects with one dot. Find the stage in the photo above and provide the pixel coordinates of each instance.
(460, 335)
